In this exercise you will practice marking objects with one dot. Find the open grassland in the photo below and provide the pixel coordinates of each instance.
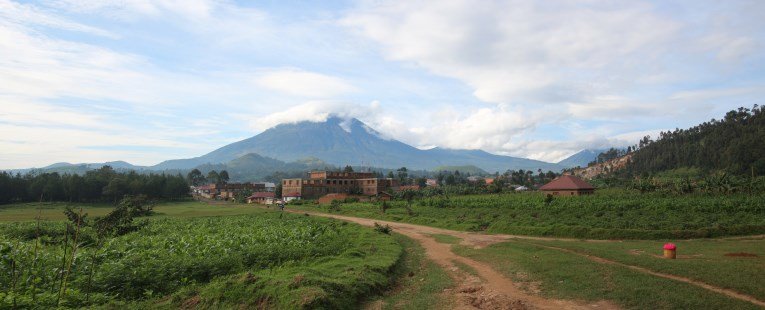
(53, 211)
(733, 264)
(560, 274)
(608, 214)
(266, 259)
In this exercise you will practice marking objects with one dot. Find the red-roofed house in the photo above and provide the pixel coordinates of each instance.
(264, 198)
(567, 185)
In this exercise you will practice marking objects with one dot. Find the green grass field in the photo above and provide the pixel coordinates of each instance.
(608, 214)
(558, 274)
(54, 211)
(733, 264)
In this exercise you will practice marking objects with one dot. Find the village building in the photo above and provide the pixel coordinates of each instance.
(413, 187)
(264, 198)
(431, 182)
(265, 186)
(207, 191)
(227, 191)
(320, 183)
(290, 197)
(567, 185)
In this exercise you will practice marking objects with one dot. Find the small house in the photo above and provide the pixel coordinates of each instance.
(567, 185)
(291, 196)
(264, 198)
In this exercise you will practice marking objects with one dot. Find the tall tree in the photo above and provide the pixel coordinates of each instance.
(195, 177)
(223, 176)
(213, 176)
(402, 175)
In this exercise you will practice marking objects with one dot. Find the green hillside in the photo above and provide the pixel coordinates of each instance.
(735, 144)
(472, 170)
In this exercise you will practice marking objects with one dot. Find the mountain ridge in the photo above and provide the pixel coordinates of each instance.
(342, 142)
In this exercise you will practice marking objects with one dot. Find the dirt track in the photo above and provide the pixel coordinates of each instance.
(492, 290)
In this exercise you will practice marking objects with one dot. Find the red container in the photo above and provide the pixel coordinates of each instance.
(670, 251)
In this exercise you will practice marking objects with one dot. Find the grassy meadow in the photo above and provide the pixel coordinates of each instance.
(608, 214)
(737, 264)
(559, 274)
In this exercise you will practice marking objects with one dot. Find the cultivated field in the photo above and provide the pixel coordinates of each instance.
(265, 259)
(53, 211)
(608, 214)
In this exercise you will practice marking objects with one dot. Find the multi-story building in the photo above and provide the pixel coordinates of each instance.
(320, 183)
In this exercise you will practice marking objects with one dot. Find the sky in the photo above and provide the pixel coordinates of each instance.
(150, 80)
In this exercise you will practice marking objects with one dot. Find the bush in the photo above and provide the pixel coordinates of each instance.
(383, 229)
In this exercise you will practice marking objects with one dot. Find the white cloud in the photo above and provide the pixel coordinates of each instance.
(302, 83)
(519, 51)
(12, 12)
(191, 9)
(315, 111)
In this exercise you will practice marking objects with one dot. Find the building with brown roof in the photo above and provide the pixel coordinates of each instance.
(264, 198)
(567, 185)
(320, 183)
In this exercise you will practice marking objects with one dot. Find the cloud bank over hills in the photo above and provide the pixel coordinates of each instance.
(84, 81)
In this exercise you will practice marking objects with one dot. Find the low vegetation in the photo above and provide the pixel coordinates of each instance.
(733, 264)
(268, 259)
(539, 269)
(420, 282)
(608, 214)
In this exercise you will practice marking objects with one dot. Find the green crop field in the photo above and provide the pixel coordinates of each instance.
(265, 259)
(608, 214)
(54, 210)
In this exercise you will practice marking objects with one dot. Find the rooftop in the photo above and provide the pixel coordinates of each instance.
(566, 182)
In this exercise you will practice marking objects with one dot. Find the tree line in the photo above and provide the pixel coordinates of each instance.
(101, 185)
(735, 144)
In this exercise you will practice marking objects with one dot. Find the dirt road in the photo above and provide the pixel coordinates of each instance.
(490, 290)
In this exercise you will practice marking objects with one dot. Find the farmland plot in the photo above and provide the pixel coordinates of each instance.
(266, 259)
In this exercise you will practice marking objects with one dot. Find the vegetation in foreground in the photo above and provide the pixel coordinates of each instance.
(421, 283)
(539, 270)
(53, 211)
(267, 259)
(608, 214)
(733, 264)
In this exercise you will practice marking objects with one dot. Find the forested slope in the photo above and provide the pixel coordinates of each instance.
(735, 144)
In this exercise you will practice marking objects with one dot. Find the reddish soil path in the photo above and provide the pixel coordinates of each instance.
(493, 290)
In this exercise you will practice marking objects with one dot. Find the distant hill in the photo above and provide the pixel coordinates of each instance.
(735, 144)
(472, 170)
(350, 142)
(581, 158)
(81, 168)
(251, 167)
